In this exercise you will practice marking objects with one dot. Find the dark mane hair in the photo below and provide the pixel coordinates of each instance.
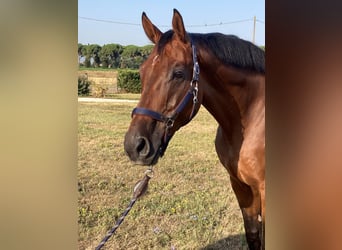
(229, 49)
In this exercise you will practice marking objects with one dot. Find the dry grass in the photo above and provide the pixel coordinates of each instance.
(128, 96)
(189, 205)
(106, 79)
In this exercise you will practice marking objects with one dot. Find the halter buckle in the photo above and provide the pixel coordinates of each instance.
(195, 92)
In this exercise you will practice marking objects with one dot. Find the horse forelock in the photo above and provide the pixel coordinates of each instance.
(164, 39)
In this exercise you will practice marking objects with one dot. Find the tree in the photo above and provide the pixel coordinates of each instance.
(81, 52)
(92, 52)
(110, 55)
(132, 57)
(146, 50)
(80, 49)
(113, 55)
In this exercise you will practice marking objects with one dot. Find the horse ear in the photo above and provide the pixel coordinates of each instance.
(178, 26)
(151, 31)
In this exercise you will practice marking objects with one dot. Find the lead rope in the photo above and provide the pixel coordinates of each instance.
(139, 190)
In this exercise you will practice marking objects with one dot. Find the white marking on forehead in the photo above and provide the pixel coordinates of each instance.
(155, 59)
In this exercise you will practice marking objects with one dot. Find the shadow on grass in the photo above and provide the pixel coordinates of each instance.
(232, 242)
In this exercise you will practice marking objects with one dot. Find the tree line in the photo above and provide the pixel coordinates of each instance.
(112, 55)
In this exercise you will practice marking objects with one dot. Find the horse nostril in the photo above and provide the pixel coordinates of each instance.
(143, 146)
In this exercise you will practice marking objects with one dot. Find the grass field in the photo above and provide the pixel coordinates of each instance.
(189, 204)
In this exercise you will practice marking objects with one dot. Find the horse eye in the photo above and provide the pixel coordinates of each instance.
(178, 74)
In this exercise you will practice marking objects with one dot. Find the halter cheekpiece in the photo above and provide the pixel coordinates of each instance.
(170, 120)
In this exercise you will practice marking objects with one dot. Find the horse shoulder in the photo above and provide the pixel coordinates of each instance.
(252, 155)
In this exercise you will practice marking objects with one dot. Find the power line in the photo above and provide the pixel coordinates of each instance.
(107, 21)
(221, 23)
(191, 25)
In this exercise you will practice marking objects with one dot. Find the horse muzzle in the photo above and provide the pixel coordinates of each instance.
(142, 150)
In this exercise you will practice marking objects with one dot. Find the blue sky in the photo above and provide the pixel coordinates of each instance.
(198, 16)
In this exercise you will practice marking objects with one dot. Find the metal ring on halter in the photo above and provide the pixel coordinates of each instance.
(169, 123)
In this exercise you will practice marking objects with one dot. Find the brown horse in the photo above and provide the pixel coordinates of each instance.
(225, 74)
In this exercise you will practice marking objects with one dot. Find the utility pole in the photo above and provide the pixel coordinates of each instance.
(254, 29)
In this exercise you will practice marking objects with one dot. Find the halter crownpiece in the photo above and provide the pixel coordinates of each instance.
(170, 120)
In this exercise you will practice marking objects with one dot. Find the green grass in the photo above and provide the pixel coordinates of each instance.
(189, 204)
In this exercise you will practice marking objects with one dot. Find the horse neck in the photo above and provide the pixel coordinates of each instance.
(229, 94)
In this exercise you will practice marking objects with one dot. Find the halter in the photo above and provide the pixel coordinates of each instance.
(170, 120)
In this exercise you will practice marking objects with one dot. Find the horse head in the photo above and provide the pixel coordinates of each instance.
(170, 95)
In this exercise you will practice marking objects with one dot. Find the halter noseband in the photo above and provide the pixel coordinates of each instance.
(170, 120)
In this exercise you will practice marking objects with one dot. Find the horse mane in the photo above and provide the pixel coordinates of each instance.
(229, 49)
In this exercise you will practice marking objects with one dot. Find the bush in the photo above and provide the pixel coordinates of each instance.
(83, 85)
(129, 81)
